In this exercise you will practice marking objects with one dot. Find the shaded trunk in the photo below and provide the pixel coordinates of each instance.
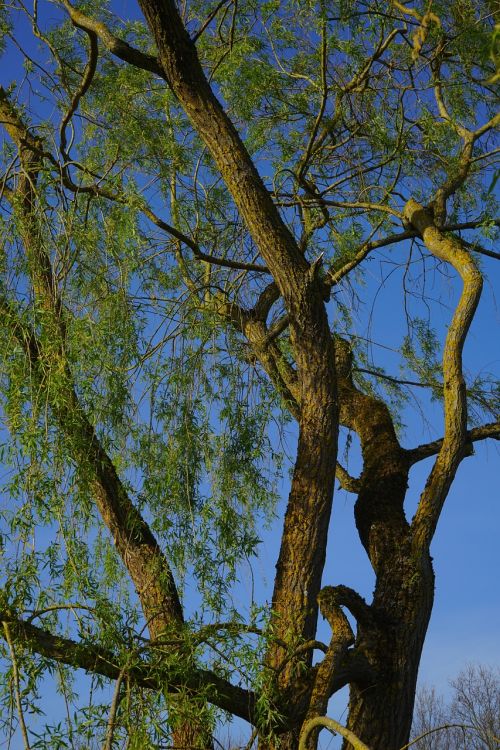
(391, 632)
(381, 715)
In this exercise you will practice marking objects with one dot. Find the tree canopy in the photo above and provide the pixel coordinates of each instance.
(192, 196)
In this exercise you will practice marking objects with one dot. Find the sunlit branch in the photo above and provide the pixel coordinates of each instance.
(453, 448)
(490, 430)
(342, 639)
(116, 46)
(346, 481)
(334, 727)
(344, 596)
(115, 702)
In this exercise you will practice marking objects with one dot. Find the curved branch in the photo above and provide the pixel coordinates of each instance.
(343, 596)
(342, 638)
(346, 481)
(453, 447)
(88, 75)
(334, 727)
(113, 44)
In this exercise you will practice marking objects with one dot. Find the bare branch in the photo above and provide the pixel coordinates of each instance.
(396, 381)
(209, 19)
(342, 638)
(197, 252)
(382, 207)
(88, 75)
(490, 430)
(476, 248)
(344, 596)
(346, 481)
(17, 686)
(115, 702)
(333, 726)
(454, 181)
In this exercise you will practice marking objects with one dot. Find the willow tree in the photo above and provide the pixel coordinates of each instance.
(189, 200)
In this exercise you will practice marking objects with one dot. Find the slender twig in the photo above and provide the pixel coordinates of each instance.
(209, 19)
(436, 729)
(17, 688)
(110, 730)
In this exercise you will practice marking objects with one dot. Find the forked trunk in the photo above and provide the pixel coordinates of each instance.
(381, 715)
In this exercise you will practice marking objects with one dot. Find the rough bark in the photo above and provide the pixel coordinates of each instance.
(390, 631)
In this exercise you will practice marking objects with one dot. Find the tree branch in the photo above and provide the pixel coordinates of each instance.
(490, 430)
(195, 248)
(17, 686)
(333, 726)
(154, 676)
(113, 44)
(396, 381)
(88, 75)
(344, 596)
(453, 447)
(342, 638)
(346, 481)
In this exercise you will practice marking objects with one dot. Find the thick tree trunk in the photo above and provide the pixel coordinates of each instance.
(381, 715)
(391, 631)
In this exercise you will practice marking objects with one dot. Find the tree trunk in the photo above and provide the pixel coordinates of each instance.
(381, 715)
(391, 631)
